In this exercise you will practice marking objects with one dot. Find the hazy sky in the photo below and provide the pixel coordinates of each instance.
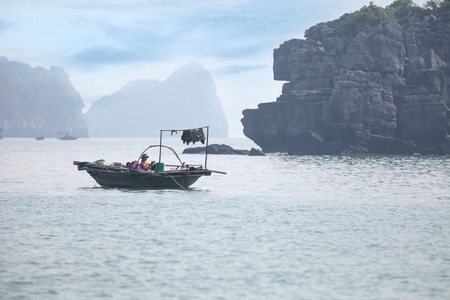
(103, 44)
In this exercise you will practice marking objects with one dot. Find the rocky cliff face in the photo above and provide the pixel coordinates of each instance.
(38, 102)
(383, 89)
(186, 99)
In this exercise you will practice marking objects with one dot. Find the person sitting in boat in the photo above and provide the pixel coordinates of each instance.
(145, 165)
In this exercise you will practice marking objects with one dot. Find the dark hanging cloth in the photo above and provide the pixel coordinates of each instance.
(185, 137)
(201, 135)
(190, 136)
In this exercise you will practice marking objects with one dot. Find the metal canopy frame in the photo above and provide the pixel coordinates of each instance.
(176, 130)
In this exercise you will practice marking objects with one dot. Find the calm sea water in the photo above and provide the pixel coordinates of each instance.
(274, 227)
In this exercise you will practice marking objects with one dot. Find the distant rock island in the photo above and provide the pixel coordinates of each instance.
(186, 99)
(374, 81)
(223, 149)
(38, 102)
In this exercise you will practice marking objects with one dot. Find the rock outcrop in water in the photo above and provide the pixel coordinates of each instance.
(215, 149)
(379, 89)
(38, 102)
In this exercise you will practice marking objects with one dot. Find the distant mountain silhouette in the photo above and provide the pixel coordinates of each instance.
(38, 102)
(186, 99)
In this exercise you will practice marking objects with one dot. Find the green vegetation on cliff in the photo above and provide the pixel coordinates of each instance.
(372, 15)
(438, 4)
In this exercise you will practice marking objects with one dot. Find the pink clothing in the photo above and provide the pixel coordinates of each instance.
(137, 166)
(140, 169)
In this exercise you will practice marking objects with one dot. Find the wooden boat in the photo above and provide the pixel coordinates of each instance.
(118, 175)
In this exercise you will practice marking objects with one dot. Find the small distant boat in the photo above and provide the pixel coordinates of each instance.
(39, 138)
(68, 137)
(120, 176)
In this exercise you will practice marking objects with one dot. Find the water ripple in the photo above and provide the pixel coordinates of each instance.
(275, 227)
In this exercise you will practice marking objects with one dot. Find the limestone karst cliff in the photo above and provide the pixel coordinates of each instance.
(186, 99)
(381, 88)
(38, 102)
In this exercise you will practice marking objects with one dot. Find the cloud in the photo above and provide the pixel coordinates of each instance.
(238, 69)
(108, 32)
(4, 24)
(97, 56)
(225, 33)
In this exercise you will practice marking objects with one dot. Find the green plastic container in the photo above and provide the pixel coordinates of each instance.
(159, 167)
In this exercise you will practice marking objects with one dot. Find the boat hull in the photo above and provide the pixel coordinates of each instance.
(126, 178)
